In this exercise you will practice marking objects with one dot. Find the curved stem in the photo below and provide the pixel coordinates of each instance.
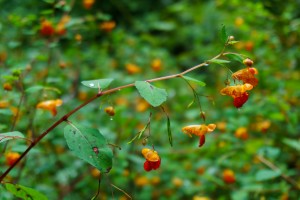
(99, 94)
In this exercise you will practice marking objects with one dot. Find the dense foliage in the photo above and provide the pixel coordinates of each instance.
(47, 48)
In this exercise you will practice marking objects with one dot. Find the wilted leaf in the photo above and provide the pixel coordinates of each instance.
(10, 135)
(25, 193)
(98, 83)
(90, 145)
(153, 95)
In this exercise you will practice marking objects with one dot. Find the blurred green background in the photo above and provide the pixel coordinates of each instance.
(140, 40)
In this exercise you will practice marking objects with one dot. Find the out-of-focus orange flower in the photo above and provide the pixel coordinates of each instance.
(249, 46)
(221, 126)
(3, 56)
(78, 37)
(156, 65)
(132, 68)
(7, 86)
(87, 4)
(228, 176)
(199, 130)
(177, 182)
(141, 181)
(11, 158)
(47, 29)
(242, 133)
(152, 159)
(95, 173)
(239, 21)
(263, 126)
(141, 105)
(107, 26)
(50, 105)
(246, 75)
(4, 104)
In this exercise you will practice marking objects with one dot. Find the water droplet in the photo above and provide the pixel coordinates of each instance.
(92, 84)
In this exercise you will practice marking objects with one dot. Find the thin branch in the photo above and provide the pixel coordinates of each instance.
(275, 168)
(99, 94)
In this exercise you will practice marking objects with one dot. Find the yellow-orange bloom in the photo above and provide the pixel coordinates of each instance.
(198, 130)
(242, 133)
(246, 75)
(50, 105)
(150, 155)
(132, 68)
(107, 26)
(228, 176)
(236, 90)
(156, 65)
(11, 158)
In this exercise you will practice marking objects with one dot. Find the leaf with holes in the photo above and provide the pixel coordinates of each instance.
(24, 192)
(98, 83)
(153, 95)
(90, 145)
(10, 135)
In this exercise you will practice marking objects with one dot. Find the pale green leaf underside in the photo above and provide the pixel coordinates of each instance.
(153, 95)
(90, 145)
(10, 135)
(266, 174)
(219, 61)
(25, 193)
(98, 83)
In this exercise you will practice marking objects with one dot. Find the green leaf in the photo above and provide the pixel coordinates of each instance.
(153, 95)
(224, 35)
(235, 57)
(219, 61)
(266, 174)
(10, 135)
(90, 145)
(292, 143)
(98, 83)
(232, 42)
(40, 87)
(25, 193)
(169, 131)
(194, 80)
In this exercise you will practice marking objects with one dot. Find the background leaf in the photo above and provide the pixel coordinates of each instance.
(90, 145)
(25, 193)
(200, 83)
(10, 135)
(266, 174)
(219, 61)
(153, 95)
(224, 35)
(98, 83)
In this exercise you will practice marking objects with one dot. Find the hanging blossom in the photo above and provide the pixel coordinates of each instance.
(50, 105)
(238, 93)
(246, 75)
(199, 130)
(152, 159)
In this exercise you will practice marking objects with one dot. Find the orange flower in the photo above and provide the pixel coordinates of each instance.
(152, 159)
(199, 130)
(238, 93)
(50, 105)
(11, 158)
(7, 86)
(47, 28)
(87, 4)
(4, 104)
(242, 133)
(110, 110)
(246, 75)
(132, 68)
(156, 65)
(228, 176)
(107, 26)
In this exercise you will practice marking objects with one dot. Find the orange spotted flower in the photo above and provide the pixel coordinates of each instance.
(228, 176)
(238, 93)
(152, 159)
(199, 130)
(50, 105)
(246, 75)
(47, 28)
(11, 158)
